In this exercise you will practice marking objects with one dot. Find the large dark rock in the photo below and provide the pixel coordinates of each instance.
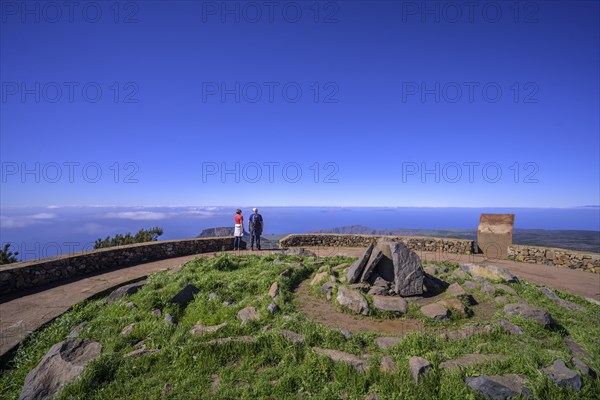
(356, 269)
(185, 295)
(376, 256)
(126, 290)
(418, 367)
(537, 314)
(408, 272)
(563, 376)
(390, 303)
(63, 363)
(499, 387)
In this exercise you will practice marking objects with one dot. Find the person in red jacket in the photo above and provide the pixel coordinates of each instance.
(238, 230)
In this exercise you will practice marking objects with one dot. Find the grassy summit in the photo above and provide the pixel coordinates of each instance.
(271, 365)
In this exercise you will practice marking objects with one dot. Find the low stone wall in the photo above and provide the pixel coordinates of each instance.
(417, 243)
(29, 274)
(558, 257)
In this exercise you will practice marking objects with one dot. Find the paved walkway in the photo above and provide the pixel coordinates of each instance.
(34, 308)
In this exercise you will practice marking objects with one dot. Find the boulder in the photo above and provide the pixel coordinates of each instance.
(471, 285)
(363, 287)
(353, 300)
(457, 291)
(126, 290)
(435, 310)
(576, 349)
(510, 327)
(169, 319)
(490, 272)
(272, 308)
(583, 368)
(247, 314)
(377, 291)
(356, 269)
(274, 291)
(62, 364)
(524, 310)
(376, 256)
(293, 337)
(507, 289)
(488, 289)
(321, 276)
(499, 387)
(387, 364)
(471, 359)
(360, 364)
(418, 367)
(569, 305)
(390, 303)
(386, 342)
(408, 272)
(185, 295)
(455, 304)
(563, 376)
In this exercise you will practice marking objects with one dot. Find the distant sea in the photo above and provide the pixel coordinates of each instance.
(38, 232)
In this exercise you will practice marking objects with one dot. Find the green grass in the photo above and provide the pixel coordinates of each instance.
(273, 367)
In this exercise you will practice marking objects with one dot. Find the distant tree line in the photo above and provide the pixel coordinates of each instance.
(143, 235)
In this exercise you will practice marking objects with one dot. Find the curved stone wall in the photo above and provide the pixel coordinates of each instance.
(558, 257)
(29, 274)
(420, 243)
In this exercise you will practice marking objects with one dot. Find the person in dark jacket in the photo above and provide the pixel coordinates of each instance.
(255, 226)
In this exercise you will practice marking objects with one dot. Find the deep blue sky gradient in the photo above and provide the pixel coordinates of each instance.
(373, 51)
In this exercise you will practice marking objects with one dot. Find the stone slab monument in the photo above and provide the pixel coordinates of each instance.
(494, 234)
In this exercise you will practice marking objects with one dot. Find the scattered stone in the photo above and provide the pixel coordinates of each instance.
(471, 285)
(499, 387)
(576, 349)
(524, 310)
(593, 301)
(363, 287)
(583, 368)
(235, 339)
(228, 303)
(321, 276)
(408, 272)
(293, 336)
(379, 281)
(435, 310)
(386, 342)
(340, 267)
(561, 302)
(274, 291)
(502, 300)
(140, 345)
(430, 270)
(455, 304)
(214, 385)
(507, 289)
(488, 289)
(126, 290)
(61, 365)
(273, 308)
(185, 295)
(127, 330)
(510, 327)
(467, 332)
(329, 295)
(360, 364)
(75, 332)
(156, 312)
(377, 291)
(456, 290)
(286, 273)
(130, 305)
(418, 367)
(202, 330)
(347, 334)
(471, 359)
(490, 272)
(353, 300)
(460, 274)
(376, 256)
(169, 319)
(298, 251)
(371, 396)
(356, 269)
(387, 364)
(390, 303)
(141, 352)
(212, 296)
(563, 376)
(167, 388)
(248, 314)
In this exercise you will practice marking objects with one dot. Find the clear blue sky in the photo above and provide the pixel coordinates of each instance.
(377, 121)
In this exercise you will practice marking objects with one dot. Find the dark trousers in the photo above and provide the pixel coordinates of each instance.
(255, 236)
(236, 242)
